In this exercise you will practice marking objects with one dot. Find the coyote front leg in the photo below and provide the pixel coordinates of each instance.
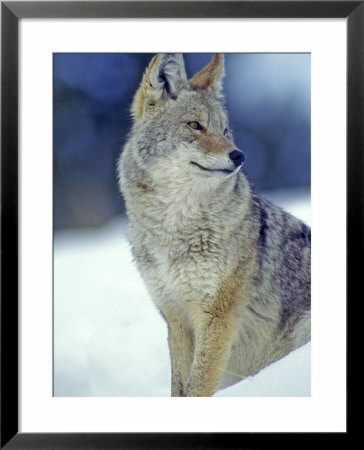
(212, 351)
(214, 328)
(180, 342)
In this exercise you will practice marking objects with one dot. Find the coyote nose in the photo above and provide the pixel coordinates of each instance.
(237, 157)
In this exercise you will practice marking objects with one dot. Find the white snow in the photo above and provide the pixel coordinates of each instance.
(109, 339)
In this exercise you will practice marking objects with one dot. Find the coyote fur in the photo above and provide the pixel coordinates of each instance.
(228, 270)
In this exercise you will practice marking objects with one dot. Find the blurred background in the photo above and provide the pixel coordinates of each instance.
(268, 99)
(109, 339)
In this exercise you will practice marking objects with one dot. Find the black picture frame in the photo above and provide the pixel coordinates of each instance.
(11, 12)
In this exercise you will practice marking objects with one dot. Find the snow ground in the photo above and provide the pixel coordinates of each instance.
(109, 339)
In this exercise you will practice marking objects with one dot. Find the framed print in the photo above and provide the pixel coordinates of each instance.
(54, 54)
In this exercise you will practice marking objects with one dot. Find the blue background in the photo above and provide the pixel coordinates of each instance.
(268, 100)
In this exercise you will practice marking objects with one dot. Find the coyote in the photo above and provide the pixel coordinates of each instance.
(228, 270)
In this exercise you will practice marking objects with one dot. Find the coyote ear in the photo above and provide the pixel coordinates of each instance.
(211, 75)
(164, 78)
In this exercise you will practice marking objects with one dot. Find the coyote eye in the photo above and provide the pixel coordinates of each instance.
(226, 132)
(195, 125)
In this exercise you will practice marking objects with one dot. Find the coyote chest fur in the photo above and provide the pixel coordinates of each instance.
(229, 271)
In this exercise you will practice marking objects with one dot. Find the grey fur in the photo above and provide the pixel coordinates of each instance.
(229, 271)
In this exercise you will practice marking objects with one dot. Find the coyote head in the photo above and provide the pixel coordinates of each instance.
(180, 125)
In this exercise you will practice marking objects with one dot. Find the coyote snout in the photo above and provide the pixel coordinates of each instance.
(229, 271)
(224, 162)
(220, 155)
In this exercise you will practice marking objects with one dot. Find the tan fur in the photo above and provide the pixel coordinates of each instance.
(229, 272)
(210, 143)
(145, 92)
(210, 75)
(216, 327)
